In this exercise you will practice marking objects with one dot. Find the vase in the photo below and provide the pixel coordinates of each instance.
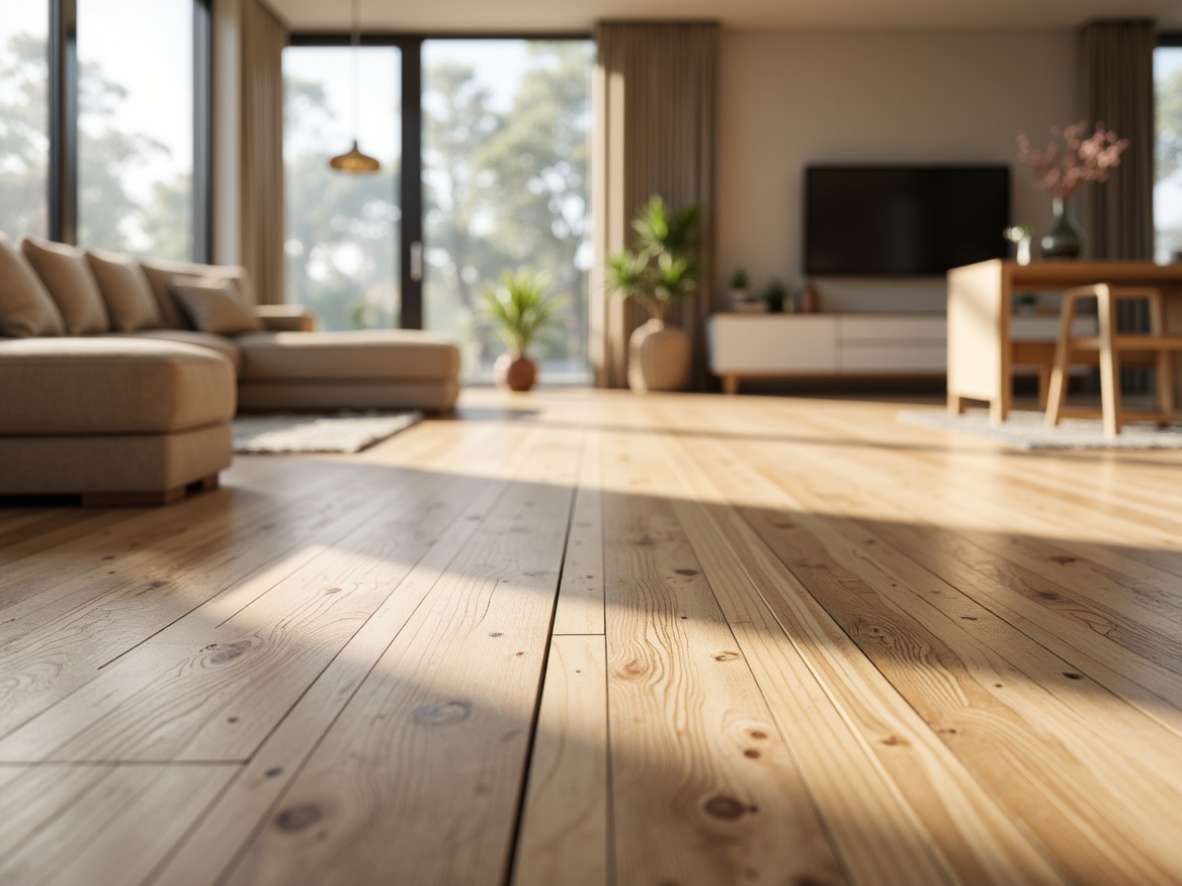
(515, 372)
(658, 358)
(1064, 240)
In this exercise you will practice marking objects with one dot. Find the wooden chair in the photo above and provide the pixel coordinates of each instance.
(1110, 350)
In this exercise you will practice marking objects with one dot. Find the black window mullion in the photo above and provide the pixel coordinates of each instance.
(410, 247)
(202, 131)
(63, 121)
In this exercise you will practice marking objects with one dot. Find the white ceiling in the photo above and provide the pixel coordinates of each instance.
(540, 16)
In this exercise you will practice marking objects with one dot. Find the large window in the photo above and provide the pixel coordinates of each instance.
(484, 147)
(104, 130)
(342, 229)
(135, 123)
(24, 117)
(1167, 194)
(505, 168)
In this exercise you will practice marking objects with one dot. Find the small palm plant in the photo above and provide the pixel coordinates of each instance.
(660, 268)
(519, 309)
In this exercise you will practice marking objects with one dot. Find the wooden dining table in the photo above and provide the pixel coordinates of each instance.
(982, 353)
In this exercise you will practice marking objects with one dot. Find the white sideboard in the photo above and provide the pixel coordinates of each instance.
(826, 346)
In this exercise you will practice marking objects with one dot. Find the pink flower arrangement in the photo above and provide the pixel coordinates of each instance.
(1070, 159)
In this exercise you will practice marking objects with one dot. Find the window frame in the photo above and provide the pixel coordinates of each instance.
(410, 189)
(63, 125)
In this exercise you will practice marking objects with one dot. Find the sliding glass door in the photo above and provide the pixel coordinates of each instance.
(484, 147)
(506, 127)
(343, 229)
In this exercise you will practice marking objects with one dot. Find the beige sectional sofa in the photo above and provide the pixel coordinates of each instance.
(118, 378)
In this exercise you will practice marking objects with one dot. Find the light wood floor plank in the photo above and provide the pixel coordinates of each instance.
(704, 790)
(436, 737)
(564, 831)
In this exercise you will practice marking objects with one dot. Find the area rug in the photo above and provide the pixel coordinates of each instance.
(339, 432)
(1028, 430)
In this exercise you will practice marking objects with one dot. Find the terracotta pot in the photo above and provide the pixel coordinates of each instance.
(658, 358)
(515, 372)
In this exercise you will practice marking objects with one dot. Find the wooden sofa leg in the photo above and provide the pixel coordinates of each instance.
(147, 499)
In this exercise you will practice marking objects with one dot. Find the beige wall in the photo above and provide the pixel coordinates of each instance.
(791, 98)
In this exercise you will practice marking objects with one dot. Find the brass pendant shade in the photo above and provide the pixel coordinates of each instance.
(354, 160)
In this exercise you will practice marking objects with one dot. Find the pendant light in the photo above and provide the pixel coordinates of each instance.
(353, 160)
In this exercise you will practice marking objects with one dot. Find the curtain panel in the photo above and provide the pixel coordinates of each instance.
(1118, 92)
(655, 96)
(261, 210)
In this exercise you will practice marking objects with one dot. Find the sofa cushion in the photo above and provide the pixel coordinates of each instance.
(214, 306)
(111, 385)
(26, 307)
(66, 274)
(377, 355)
(125, 291)
(161, 275)
(219, 343)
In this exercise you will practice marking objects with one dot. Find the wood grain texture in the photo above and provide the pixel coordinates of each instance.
(564, 830)
(586, 637)
(436, 737)
(704, 789)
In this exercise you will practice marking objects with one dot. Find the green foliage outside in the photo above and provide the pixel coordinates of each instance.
(1169, 150)
(110, 215)
(503, 187)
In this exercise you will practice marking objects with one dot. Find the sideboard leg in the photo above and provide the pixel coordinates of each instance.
(730, 384)
(956, 404)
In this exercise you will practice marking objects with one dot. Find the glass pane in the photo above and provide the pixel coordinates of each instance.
(505, 175)
(135, 122)
(342, 228)
(24, 117)
(1167, 193)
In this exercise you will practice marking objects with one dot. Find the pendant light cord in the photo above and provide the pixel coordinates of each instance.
(356, 71)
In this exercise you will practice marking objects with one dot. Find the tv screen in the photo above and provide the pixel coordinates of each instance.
(903, 220)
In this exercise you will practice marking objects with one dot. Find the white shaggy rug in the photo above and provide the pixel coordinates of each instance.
(1028, 430)
(338, 432)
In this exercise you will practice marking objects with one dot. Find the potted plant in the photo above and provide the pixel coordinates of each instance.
(657, 271)
(520, 309)
(740, 287)
(775, 295)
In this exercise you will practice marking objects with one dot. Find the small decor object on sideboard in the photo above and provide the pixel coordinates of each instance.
(810, 299)
(657, 271)
(1019, 235)
(1069, 160)
(520, 310)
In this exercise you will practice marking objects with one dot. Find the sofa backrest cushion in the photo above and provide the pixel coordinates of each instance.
(66, 274)
(125, 290)
(161, 275)
(214, 305)
(26, 307)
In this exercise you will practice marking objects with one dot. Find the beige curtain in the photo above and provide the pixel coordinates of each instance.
(655, 106)
(261, 213)
(1118, 91)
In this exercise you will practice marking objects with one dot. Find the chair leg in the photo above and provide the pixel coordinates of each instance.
(1057, 389)
(1044, 386)
(1164, 384)
(1109, 364)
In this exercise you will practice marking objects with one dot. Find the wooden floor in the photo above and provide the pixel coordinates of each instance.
(588, 638)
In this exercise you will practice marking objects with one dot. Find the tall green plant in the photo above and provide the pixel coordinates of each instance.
(519, 307)
(660, 267)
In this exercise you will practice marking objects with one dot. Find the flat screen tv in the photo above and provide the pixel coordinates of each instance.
(903, 221)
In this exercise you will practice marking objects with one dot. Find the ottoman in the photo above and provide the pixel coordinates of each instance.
(382, 369)
(117, 420)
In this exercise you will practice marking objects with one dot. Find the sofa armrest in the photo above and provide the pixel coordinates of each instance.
(286, 318)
